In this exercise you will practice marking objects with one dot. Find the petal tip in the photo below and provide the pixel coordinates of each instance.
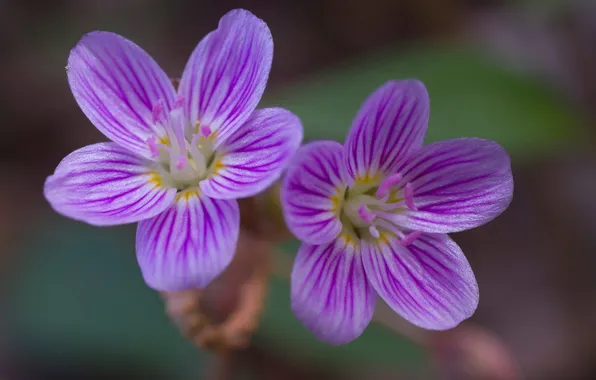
(102, 185)
(244, 16)
(254, 156)
(330, 294)
(429, 283)
(92, 38)
(447, 323)
(323, 335)
(188, 245)
(413, 85)
(313, 179)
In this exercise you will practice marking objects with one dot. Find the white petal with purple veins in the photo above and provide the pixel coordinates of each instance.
(226, 74)
(189, 244)
(312, 192)
(429, 282)
(330, 292)
(252, 157)
(389, 127)
(457, 185)
(117, 84)
(104, 184)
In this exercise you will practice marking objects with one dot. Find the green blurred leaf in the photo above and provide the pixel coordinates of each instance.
(470, 95)
(81, 293)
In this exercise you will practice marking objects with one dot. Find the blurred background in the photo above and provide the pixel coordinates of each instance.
(74, 306)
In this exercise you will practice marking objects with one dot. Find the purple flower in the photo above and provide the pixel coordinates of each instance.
(373, 216)
(178, 159)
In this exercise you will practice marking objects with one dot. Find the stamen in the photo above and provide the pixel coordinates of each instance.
(181, 162)
(197, 155)
(195, 140)
(388, 226)
(167, 148)
(205, 131)
(179, 102)
(409, 195)
(374, 232)
(366, 215)
(152, 142)
(158, 113)
(176, 130)
(387, 215)
(410, 238)
(386, 185)
(390, 206)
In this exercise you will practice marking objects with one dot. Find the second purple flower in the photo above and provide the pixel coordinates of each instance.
(178, 159)
(373, 216)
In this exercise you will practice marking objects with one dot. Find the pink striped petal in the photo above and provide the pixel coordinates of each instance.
(226, 74)
(253, 157)
(190, 244)
(116, 84)
(312, 191)
(104, 184)
(330, 293)
(429, 282)
(457, 185)
(389, 127)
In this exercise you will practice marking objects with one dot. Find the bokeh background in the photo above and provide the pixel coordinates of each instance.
(523, 73)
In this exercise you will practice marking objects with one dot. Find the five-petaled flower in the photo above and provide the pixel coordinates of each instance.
(178, 159)
(373, 216)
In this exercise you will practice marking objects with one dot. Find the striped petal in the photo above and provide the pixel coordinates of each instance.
(457, 185)
(330, 293)
(429, 282)
(190, 244)
(312, 191)
(226, 74)
(104, 184)
(116, 84)
(253, 157)
(389, 127)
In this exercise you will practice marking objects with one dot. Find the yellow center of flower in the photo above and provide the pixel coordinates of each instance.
(371, 208)
(184, 153)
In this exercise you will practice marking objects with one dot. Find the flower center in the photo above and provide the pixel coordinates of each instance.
(184, 154)
(372, 211)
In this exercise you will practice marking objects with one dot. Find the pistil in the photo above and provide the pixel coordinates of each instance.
(185, 162)
(380, 212)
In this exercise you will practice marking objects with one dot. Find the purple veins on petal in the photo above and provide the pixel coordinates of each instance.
(389, 127)
(390, 200)
(254, 155)
(116, 84)
(312, 192)
(104, 184)
(226, 74)
(169, 147)
(189, 244)
(330, 293)
(429, 282)
(457, 185)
